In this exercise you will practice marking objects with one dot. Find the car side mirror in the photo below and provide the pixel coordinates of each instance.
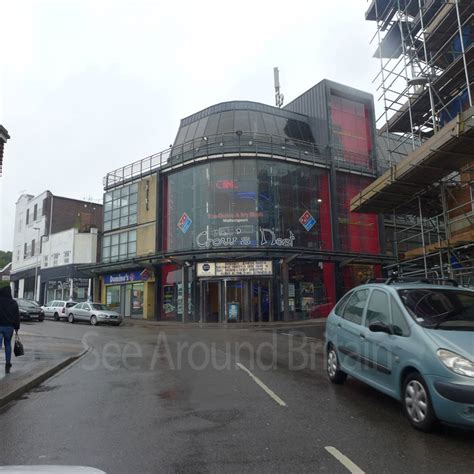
(378, 326)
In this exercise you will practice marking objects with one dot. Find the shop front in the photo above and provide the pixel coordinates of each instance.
(239, 291)
(66, 288)
(130, 293)
(236, 291)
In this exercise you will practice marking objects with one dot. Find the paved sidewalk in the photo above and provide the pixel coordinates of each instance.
(44, 356)
(301, 323)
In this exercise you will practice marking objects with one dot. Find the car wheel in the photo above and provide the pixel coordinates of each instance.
(56, 317)
(93, 321)
(335, 374)
(417, 403)
(70, 318)
(41, 319)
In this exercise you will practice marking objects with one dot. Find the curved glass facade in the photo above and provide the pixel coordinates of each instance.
(247, 122)
(246, 203)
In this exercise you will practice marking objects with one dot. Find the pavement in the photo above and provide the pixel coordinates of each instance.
(44, 356)
(185, 399)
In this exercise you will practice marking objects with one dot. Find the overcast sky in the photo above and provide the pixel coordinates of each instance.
(89, 86)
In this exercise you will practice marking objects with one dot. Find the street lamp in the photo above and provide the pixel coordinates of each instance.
(36, 266)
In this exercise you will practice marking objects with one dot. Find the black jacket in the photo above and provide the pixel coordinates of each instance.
(9, 313)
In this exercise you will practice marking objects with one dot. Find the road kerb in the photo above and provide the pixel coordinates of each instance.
(46, 374)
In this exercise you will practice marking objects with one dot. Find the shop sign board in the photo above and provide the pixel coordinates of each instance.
(184, 223)
(254, 268)
(227, 269)
(206, 269)
(126, 277)
(307, 221)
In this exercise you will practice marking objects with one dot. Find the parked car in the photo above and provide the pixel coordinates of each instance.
(411, 341)
(58, 309)
(94, 313)
(29, 310)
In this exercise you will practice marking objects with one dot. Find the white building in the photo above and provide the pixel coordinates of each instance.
(52, 236)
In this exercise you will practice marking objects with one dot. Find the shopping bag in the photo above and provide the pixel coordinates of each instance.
(18, 349)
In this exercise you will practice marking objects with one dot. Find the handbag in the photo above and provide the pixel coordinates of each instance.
(18, 349)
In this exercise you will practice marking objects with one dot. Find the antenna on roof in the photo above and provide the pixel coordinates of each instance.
(278, 95)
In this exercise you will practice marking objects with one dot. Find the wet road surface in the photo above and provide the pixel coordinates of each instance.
(176, 400)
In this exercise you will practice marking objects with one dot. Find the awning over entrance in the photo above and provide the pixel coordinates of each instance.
(448, 150)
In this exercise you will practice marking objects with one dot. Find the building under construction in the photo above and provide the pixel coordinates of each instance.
(426, 54)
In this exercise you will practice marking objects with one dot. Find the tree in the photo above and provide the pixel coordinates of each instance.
(5, 257)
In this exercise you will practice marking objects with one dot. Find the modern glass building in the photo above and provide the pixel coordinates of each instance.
(246, 217)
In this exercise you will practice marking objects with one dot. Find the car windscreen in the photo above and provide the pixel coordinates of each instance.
(70, 304)
(22, 302)
(100, 307)
(439, 308)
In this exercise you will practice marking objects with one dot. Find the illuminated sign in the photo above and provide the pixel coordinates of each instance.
(307, 221)
(230, 239)
(226, 184)
(244, 268)
(184, 223)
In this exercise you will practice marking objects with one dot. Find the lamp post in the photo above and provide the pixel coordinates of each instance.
(37, 261)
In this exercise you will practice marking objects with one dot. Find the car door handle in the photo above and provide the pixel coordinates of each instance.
(339, 325)
(362, 335)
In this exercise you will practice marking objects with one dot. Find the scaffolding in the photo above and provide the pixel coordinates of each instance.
(425, 49)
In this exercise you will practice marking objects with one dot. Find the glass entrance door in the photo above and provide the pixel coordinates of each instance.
(261, 300)
(236, 301)
(211, 301)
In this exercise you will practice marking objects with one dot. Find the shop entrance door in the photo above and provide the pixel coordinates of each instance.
(261, 300)
(237, 301)
(211, 301)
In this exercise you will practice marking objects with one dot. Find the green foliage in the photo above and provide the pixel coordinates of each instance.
(4, 283)
(5, 257)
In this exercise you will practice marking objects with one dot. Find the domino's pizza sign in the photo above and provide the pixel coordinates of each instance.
(307, 221)
(184, 223)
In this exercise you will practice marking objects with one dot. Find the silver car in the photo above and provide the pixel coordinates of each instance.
(58, 309)
(94, 313)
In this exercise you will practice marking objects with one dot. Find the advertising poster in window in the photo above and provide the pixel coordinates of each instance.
(169, 304)
(180, 298)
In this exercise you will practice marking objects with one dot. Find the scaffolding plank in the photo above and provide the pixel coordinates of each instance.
(448, 150)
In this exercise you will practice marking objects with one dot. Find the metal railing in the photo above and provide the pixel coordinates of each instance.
(242, 144)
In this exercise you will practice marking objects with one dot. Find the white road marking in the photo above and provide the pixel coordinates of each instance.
(344, 460)
(270, 392)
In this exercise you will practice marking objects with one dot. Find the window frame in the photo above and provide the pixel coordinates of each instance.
(387, 294)
(364, 310)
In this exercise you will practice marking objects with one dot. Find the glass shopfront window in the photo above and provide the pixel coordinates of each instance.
(171, 278)
(128, 299)
(247, 203)
(137, 299)
(311, 290)
(113, 297)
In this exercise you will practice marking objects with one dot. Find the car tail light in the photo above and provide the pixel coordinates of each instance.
(63, 310)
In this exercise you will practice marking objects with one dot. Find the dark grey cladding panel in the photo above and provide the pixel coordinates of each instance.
(240, 105)
(241, 117)
(313, 103)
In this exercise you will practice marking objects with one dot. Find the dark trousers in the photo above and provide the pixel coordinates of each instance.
(6, 334)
